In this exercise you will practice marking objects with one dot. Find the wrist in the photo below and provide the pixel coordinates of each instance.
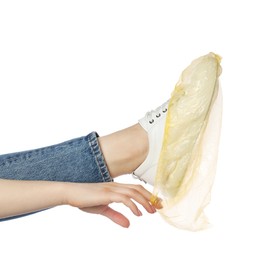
(66, 189)
(62, 189)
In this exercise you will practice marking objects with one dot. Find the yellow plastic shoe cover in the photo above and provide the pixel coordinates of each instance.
(188, 158)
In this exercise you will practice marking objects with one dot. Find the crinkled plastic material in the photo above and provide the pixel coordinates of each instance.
(188, 158)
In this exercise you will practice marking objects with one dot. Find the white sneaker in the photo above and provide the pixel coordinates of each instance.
(153, 123)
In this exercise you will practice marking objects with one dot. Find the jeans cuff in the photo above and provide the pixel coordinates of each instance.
(100, 160)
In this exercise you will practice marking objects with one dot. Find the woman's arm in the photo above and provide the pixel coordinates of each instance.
(21, 197)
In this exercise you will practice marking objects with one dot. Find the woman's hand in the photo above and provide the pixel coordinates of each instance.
(21, 197)
(96, 197)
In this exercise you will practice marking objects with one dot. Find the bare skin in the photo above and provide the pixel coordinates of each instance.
(123, 151)
(19, 197)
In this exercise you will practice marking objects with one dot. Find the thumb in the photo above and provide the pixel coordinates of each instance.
(110, 213)
(116, 217)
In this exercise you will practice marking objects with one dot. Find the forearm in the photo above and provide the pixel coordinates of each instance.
(20, 197)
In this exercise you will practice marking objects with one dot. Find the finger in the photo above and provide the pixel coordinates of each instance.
(137, 193)
(126, 200)
(116, 217)
(155, 201)
(147, 194)
(138, 197)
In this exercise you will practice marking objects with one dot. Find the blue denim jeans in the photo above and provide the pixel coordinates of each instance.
(76, 160)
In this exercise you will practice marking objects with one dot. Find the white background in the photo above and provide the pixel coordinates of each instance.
(71, 67)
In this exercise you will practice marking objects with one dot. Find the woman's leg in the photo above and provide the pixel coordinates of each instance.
(124, 150)
(76, 160)
(85, 159)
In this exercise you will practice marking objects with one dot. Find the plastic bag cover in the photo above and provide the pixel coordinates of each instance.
(188, 158)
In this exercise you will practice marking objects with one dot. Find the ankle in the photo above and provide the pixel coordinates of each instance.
(124, 150)
(138, 145)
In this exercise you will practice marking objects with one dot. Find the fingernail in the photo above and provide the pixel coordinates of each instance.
(140, 213)
(153, 210)
(156, 202)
